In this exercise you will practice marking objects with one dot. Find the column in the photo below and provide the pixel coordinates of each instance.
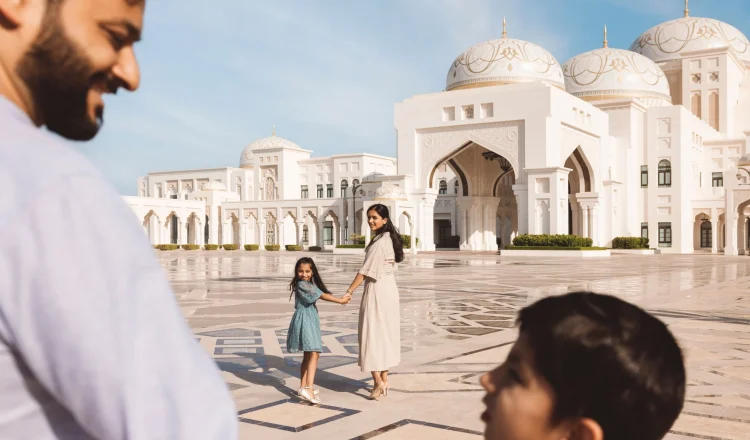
(741, 234)
(585, 221)
(714, 235)
(321, 226)
(428, 210)
(227, 233)
(243, 231)
(464, 229)
(413, 239)
(199, 233)
(339, 237)
(213, 225)
(594, 230)
(453, 220)
(300, 233)
(280, 234)
(181, 233)
(522, 203)
(262, 235)
(731, 232)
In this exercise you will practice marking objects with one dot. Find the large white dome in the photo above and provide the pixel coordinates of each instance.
(667, 41)
(503, 61)
(609, 73)
(266, 143)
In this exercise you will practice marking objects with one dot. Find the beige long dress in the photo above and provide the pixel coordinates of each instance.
(379, 313)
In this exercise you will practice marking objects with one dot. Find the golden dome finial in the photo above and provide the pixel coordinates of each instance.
(606, 43)
(273, 133)
(687, 10)
(505, 29)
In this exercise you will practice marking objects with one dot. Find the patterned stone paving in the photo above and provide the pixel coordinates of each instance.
(456, 323)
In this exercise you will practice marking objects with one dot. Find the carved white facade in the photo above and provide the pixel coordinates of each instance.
(613, 142)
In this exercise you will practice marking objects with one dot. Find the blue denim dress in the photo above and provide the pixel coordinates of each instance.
(304, 330)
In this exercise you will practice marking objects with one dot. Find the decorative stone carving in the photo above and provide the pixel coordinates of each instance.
(501, 138)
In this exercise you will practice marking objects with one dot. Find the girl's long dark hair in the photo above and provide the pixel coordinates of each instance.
(398, 244)
(315, 276)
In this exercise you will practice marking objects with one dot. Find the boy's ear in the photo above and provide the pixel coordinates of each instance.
(586, 429)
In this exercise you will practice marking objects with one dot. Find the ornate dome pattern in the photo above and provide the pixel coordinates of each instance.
(608, 73)
(666, 41)
(390, 192)
(266, 143)
(503, 61)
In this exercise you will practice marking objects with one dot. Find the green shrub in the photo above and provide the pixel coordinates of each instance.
(546, 240)
(630, 243)
(252, 247)
(315, 248)
(357, 239)
(273, 247)
(555, 248)
(406, 239)
(190, 247)
(293, 247)
(167, 247)
(230, 247)
(211, 247)
(351, 246)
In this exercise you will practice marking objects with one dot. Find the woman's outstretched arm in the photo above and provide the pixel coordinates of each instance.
(357, 281)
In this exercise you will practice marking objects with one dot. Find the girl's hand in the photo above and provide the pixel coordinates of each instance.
(345, 299)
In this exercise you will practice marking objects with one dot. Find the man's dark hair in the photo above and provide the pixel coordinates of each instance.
(609, 361)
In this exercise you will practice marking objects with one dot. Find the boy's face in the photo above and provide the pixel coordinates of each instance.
(519, 402)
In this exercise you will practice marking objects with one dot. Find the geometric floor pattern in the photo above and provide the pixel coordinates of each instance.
(457, 312)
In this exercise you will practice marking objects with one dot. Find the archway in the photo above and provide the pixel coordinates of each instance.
(485, 179)
(580, 183)
(151, 225)
(703, 232)
(172, 226)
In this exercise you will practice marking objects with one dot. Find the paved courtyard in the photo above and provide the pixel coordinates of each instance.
(457, 322)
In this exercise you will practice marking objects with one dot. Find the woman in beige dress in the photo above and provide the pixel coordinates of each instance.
(379, 314)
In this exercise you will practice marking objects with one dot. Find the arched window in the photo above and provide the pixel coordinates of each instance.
(443, 188)
(706, 234)
(665, 174)
(344, 187)
(455, 187)
(270, 189)
(305, 234)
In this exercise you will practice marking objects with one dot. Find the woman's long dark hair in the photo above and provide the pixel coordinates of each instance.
(398, 244)
(315, 276)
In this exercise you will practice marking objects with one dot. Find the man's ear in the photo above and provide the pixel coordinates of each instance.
(11, 13)
(586, 429)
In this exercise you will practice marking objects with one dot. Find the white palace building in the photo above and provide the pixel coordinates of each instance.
(649, 141)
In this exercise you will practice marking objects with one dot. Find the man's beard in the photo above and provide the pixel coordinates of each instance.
(58, 77)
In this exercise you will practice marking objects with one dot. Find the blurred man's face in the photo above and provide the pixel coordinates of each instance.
(519, 402)
(83, 50)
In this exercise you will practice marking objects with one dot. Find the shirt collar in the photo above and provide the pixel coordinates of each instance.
(10, 110)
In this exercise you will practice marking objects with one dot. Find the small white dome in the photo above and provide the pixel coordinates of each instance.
(503, 61)
(390, 192)
(214, 185)
(373, 177)
(267, 143)
(609, 73)
(667, 41)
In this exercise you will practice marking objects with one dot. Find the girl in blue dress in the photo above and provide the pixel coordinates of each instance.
(304, 330)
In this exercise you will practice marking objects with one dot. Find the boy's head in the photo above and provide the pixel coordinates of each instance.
(586, 367)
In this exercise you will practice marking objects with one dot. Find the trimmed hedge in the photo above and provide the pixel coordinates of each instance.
(629, 243)
(554, 248)
(190, 247)
(554, 241)
(357, 239)
(252, 247)
(406, 240)
(315, 248)
(211, 247)
(293, 247)
(230, 247)
(350, 246)
(273, 247)
(167, 247)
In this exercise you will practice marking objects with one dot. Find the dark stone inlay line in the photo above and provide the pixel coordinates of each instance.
(707, 437)
(405, 422)
(344, 412)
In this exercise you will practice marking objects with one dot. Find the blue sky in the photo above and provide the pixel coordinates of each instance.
(326, 72)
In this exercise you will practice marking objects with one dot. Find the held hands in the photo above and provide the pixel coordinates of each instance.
(346, 298)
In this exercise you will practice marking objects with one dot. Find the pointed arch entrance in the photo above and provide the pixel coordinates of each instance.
(581, 200)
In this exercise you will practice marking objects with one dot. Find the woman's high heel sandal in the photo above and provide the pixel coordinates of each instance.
(308, 394)
(378, 391)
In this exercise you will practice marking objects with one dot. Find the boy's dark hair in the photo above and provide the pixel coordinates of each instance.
(316, 279)
(609, 361)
